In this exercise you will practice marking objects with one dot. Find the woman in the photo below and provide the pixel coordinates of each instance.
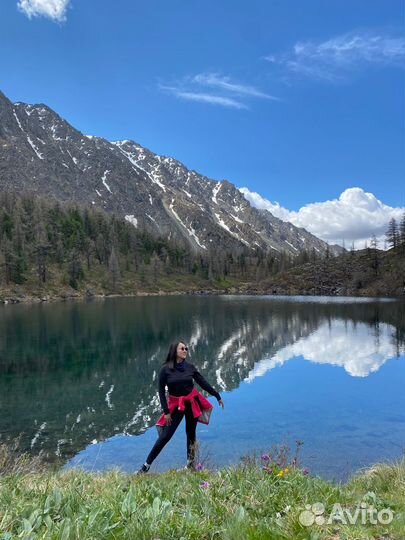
(184, 400)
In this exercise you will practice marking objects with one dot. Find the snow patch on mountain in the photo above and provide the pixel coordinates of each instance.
(104, 180)
(215, 190)
(132, 219)
(190, 230)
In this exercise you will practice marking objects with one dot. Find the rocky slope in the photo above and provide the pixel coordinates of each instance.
(42, 153)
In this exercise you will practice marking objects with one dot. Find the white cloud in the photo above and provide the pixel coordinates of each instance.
(216, 89)
(335, 58)
(354, 217)
(53, 9)
(205, 98)
(224, 83)
(356, 348)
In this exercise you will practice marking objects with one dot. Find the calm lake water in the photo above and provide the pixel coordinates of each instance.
(79, 380)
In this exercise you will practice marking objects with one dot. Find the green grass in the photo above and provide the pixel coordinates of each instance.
(242, 502)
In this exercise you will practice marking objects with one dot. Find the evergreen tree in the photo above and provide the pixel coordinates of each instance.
(375, 261)
(19, 249)
(402, 232)
(114, 269)
(156, 267)
(7, 259)
(392, 233)
(75, 271)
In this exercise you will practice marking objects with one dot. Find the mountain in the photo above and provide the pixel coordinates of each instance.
(42, 153)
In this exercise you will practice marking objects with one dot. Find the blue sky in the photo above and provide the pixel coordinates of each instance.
(298, 101)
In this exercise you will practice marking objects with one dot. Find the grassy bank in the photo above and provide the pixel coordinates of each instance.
(255, 500)
(95, 286)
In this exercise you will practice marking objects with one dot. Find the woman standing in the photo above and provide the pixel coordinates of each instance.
(184, 400)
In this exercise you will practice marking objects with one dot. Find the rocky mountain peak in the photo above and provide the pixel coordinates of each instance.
(42, 152)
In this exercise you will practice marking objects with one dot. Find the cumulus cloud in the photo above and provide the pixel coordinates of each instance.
(53, 9)
(352, 218)
(335, 58)
(357, 348)
(216, 89)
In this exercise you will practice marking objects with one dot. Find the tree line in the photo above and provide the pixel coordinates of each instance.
(42, 238)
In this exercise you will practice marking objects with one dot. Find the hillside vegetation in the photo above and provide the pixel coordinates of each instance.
(368, 272)
(54, 250)
(50, 249)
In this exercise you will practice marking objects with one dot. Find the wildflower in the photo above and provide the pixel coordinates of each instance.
(205, 485)
(280, 474)
(265, 457)
(199, 466)
(267, 469)
(305, 471)
(286, 470)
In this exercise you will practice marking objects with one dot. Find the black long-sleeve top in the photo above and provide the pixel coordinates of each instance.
(180, 383)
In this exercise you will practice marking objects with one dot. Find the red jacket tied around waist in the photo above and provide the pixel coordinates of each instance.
(200, 406)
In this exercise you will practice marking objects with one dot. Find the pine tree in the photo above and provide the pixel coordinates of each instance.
(392, 233)
(19, 249)
(114, 269)
(402, 232)
(156, 267)
(7, 259)
(375, 261)
(75, 271)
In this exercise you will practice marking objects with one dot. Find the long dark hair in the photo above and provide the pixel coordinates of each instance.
(172, 354)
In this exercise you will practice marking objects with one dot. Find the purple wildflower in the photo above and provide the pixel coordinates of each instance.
(205, 485)
(199, 466)
(305, 471)
(265, 457)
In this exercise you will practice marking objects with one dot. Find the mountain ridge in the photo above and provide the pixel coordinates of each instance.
(41, 152)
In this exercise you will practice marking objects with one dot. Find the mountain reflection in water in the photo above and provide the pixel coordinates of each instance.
(79, 373)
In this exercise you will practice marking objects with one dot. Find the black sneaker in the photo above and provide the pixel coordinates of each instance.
(144, 469)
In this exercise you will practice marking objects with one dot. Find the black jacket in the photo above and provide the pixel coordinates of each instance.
(180, 383)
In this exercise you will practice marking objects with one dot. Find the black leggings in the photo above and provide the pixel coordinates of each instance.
(168, 432)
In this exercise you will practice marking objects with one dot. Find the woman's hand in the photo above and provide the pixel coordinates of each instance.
(221, 403)
(168, 418)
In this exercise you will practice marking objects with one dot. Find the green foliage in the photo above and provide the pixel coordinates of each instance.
(241, 502)
(47, 244)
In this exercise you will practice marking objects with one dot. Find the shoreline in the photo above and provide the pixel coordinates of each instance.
(7, 299)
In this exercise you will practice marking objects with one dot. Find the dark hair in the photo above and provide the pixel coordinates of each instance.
(172, 354)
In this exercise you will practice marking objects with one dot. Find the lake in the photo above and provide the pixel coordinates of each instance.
(79, 379)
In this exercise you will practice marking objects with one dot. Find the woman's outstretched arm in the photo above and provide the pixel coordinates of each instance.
(205, 384)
